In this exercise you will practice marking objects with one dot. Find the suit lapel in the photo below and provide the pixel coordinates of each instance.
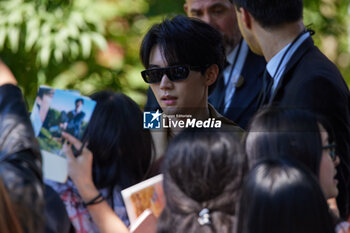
(296, 57)
(244, 97)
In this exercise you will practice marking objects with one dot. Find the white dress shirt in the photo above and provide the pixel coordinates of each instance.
(275, 61)
(230, 83)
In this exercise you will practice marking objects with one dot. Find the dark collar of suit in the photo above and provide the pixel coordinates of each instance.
(217, 97)
(296, 57)
(253, 67)
(252, 72)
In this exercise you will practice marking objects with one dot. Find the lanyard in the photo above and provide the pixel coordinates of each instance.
(234, 64)
(285, 53)
(239, 82)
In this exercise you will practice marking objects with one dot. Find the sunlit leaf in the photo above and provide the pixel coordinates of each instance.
(73, 31)
(78, 20)
(31, 38)
(58, 55)
(45, 29)
(41, 77)
(13, 36)
(74, 49)
(15, 17)
(33, 24)
(3, 33)
(45, 55)
(85, 45)
(99, 40)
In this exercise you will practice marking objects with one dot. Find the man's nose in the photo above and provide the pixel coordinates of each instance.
(166, 83)
(208, 19)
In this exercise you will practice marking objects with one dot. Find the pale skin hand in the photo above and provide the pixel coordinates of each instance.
(6, 76)
(333, 206)
(80, 171)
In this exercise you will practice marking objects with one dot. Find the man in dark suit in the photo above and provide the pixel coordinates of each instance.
(297, 74)
(73, 119)
(239, 85)
(69, 122)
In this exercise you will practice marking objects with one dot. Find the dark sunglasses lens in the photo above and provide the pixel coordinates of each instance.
(152, 75)
(178, 73)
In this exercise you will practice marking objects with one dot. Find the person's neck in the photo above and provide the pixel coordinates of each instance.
(274, 40)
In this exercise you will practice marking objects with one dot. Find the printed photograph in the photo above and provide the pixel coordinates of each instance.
(68, 113)
(41, 107)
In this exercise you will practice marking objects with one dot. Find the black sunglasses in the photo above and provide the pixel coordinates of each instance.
(174, 73)
(331, 147)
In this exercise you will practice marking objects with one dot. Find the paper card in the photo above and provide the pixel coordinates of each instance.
(145, 195)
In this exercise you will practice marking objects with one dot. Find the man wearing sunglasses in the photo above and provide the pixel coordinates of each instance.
(180, 72)
(240, 82)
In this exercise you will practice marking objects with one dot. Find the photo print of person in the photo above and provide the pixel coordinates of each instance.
(68, 112)
(41, 107)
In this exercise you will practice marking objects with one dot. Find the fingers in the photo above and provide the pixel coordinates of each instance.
(79, 168)
(76, 143)
(68, 151)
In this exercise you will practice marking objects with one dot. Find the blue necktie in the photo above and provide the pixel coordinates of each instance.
(267, 85)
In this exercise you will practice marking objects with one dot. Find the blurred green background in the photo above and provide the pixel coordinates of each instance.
(91, 45)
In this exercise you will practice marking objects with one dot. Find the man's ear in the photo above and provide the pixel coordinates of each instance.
(246, 17)
(185, 8)
(211, 74)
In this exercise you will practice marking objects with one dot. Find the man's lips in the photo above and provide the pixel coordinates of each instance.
(169, 100)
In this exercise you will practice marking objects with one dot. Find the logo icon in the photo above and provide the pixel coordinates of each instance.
(151, 120)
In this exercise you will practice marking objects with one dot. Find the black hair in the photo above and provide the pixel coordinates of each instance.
(272, 13)
(120, 145)
(293, 133)
(202, 169)
(10, 219)
(79, 100)
(44, 91)
(279, 196)
(185, 41)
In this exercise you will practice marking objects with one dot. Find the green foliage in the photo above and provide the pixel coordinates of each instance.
(165, 7)
(331, 21)
(59, 42)
(48, 143)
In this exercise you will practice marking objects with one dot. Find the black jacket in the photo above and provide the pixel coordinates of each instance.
(244, 101)
(312, 82)
(20, 160)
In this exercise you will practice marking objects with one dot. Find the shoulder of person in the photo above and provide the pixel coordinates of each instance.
(226, 124)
